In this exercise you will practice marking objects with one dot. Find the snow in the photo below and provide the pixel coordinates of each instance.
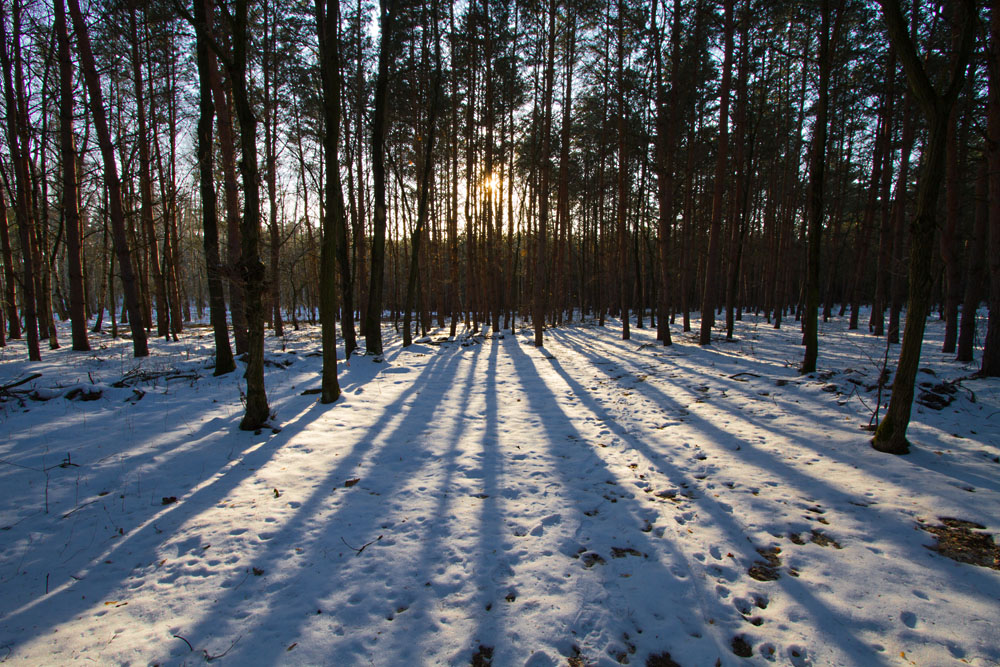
(592, 502)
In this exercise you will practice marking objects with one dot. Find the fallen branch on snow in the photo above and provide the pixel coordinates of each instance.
(357, 552)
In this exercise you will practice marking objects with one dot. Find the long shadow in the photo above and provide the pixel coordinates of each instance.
(491, 578)
(720, 516)
(584, 348)
(96, 581)
(747, 450)
(664, 566)
(409, 634)
(767, 462)
(380, 441)
(612, 352)
(102, 576)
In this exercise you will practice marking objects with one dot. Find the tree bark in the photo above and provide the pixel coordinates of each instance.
(426, 176)
(890, 437)
(326, 27)
(817, 167)
(373, 315)
(709, 295)
(146, 187)
(10, 295)
(70, 194)
(251, 268)
(271, 161)
(224, 362)
(991, 345)
(975, 268)
(231, 194)
(124, 255)
(622, 180)
(949, 239)
(22, 185)
(545, 168)
(897, 284)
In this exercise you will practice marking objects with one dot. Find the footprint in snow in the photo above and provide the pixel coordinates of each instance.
(550, 520)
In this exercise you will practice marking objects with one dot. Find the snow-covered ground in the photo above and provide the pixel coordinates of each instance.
(593, 502)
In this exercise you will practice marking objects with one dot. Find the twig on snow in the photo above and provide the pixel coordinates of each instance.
(210, 658)
(8, 387)
(185, 641)
(357, 552)
(79, 507)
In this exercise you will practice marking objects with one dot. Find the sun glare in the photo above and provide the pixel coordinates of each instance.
(491, 184)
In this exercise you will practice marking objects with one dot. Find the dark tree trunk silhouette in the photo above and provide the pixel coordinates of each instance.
(621, 205)
(709, 296)
(327, 23)
(70, 194)
(975, 268)
(426, 175)
(545, 170)
(9, 294)
(224, 362)
(231, 194)
(890, 437)
(113, 183)
(817, 166)
(146, 186)
(990, 366)
(21, 187)
(373, 315)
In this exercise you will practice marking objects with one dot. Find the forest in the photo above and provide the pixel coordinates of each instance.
(360, 231)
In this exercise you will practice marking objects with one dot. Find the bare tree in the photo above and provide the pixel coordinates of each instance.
(890, 437)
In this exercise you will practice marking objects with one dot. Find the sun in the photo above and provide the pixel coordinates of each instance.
(490, 184)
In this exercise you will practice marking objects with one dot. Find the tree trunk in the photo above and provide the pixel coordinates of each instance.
(10, 296)
(817, 167)
(949, 239)
(252, 269)
(545, 167)
(991, 345)
(129, 287)
(146, 187)
(622, 181)
(425, 181)
(326, 26)
(897, 285)
(975, 266)
(231, 191)
(890, 437)
(70, 194)
(562, 192)
(271, 161)
(224, 362)
(373, 316)
(709, 295)
(18, 153)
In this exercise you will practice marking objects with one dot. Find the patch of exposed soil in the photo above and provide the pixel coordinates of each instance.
(661, 660)
(824, 540)
(619, 552)
(483, 657)
(767, 569)
(741, 647)
(959, 540)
